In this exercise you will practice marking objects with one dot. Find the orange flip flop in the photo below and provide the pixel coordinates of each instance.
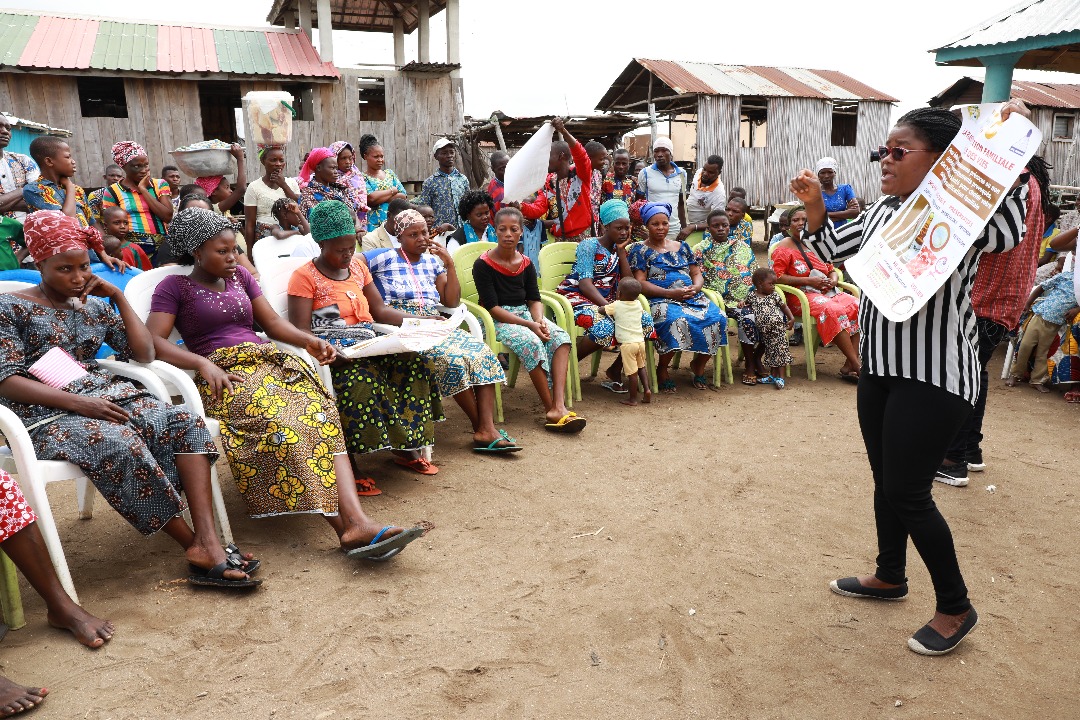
(366, 487)
(419, 465)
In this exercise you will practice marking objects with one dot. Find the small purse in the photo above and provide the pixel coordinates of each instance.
(57, 369)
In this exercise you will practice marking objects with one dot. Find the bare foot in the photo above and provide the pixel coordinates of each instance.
(1040, 387)
(15, 698)
(947, 625)
(210, 557)
(356, 536)
(871, 581)
(646, 397)
(629, 401)
(93, 632)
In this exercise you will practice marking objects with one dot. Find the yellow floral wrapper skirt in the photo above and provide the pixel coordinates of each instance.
(280, 431)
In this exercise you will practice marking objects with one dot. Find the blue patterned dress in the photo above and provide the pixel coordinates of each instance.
(695, 325)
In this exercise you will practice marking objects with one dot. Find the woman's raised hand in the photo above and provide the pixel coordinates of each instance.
(442, 253)
(321, 350)
(98, 408)
(806, 187)
(99, 288)
(1014, 105)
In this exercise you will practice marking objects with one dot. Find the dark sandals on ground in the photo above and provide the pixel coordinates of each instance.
(667, 386)
(215, 576)
(849, 377)
(701, 382)
(494, 448)
(234, 554)
(749, 379)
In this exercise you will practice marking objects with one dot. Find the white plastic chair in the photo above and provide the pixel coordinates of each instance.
(268, 250)
(20, 460)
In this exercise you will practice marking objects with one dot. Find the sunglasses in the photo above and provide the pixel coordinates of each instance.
(897, 153)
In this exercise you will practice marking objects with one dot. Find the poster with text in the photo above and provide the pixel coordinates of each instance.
(910, 257)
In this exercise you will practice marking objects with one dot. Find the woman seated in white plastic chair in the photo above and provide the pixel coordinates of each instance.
(280, 430)
(138, 452)
(412, 281)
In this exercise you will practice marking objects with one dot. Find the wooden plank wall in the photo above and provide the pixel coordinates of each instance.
(1062, 154)
(799, 133)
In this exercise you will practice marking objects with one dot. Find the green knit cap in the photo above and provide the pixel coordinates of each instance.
(331, 219)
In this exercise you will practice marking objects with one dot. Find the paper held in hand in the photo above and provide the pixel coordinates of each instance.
(415, 335)
(910, 257)
(528, 169)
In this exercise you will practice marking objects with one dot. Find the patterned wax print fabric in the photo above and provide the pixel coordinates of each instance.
(624, 189)
(16, 171)
(95, 199)
(523, 342)
(15, 512)
(770, 324)
(316, 192)
(695, 325)
(595, 262)
(280, 431)
(832, 313)
(44, 194)
(131, 464)
(838, 201)
(143, 220)
(389, 181)
(442, 192)
(1062, 358)
(744, 231)
(387, 402)
(727, 266)
(1058, 297)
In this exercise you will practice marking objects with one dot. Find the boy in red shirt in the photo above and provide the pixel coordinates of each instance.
(117, 238)
(566, 195)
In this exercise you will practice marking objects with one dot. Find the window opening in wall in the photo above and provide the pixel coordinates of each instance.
(303, 101)
(372, 99)
(753, 121)
(845, 120)
(102, 97)
(1064, 125)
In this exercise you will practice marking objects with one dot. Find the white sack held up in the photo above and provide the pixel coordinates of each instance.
(527, 170)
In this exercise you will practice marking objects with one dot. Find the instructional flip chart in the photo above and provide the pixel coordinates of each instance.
(528, 169)
(910, 257)
(415, 335)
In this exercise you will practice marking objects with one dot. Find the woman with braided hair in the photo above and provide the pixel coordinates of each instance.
(918, 375)
(382, 183)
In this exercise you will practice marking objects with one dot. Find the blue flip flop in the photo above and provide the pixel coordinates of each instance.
(379, 549)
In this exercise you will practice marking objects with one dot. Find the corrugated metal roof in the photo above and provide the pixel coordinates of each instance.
(48, 42)
(1031, 18)
(15, 31)
(1035, 94)
(714, 79)
(364, 15)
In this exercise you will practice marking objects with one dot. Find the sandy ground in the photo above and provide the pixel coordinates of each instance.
(672, 561)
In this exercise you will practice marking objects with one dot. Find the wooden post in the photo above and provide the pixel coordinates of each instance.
(423, 51)
(289, 19)
(652, 116)
(305, 16)
(326, 32)
(498, 132)
(453, 32)
(399, 42)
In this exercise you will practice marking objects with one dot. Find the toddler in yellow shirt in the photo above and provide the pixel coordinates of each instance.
(626, 312)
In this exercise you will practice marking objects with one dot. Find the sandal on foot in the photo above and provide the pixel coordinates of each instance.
(568, 423)
(215, 576)
(365, 487)
(615, 386)
(380, 550)
(494, 448)
(1073, 396)
(701, 382)
(419, 465)
(778, 383)
(767, 380)
(233, 553)
(667, 386)
(749, 379)
(850, 377)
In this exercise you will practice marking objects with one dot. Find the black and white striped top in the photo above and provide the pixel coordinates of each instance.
(939, 344)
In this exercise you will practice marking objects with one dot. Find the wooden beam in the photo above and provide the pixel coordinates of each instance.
(453, 32)
(627, 88)
(326, 32)
(305, 16)
(423, 22)
(399, 42)
(649, 101)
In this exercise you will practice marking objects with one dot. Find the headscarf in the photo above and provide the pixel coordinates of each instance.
(315, 157)
(826, 163)
(406, 219)
(352, 176)
(338, 146)
(125, 150)
(192, 227)
(613, 210)
(664, 143)
(51, 232)
(263, 149)
(331, 219)
(210, 183)
(654, 208)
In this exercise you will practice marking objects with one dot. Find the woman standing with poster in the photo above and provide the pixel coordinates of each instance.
(919, 377)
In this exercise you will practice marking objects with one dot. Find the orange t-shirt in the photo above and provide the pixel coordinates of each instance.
(348, 294)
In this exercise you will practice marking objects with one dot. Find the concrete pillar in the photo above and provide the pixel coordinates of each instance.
(305, 16)
(453, 32)
(326, 35)
(289, 19)
(423, 50)
(997, 86)
(399, 42)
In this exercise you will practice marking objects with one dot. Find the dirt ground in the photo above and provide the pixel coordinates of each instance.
(672, 561)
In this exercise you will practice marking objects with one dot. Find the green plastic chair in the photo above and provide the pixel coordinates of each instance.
(695, 239)
(10, 599)
(464, 258)
(810, 335)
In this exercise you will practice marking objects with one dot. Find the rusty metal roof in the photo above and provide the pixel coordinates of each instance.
(1028, 19)
(365, 15)
(695, 78)
(1035, 94)
(47, 42)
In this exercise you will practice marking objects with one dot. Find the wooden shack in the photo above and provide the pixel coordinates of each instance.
(168, 85)
(1055, 109)
(766, 122)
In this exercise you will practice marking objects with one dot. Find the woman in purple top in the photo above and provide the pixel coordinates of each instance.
(279, 425)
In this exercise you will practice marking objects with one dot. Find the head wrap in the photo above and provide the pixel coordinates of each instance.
(51, 232)
(263, 149)
(665, 143)
(210, 183)
(613, 210)
(125, 150)
(192, 227)
(331, 219)
(337, 147)
(654, 208)
(826, 163)
(407, 218)
(315, 157)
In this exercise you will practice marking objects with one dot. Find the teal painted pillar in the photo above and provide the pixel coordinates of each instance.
(999, 72)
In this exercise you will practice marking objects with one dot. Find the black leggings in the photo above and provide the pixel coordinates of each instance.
(907, 426)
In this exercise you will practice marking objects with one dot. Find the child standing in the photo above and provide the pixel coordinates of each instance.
(117, 238)
(631, 336)
(290, 221)
(772, 319)
(1052, 303)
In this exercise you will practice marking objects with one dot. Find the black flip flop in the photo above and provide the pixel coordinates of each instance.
(215, 576)
(852, 378)
(234, 554)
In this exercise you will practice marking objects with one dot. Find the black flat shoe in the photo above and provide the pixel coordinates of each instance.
(928, 641)
(851, 587)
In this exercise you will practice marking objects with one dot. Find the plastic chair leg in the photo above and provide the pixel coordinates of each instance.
(512, 373)
(595, 364)
(809, 343)
(651, 361)
(498, 403)
(10, 600)
(85, 492)
(676, 361)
